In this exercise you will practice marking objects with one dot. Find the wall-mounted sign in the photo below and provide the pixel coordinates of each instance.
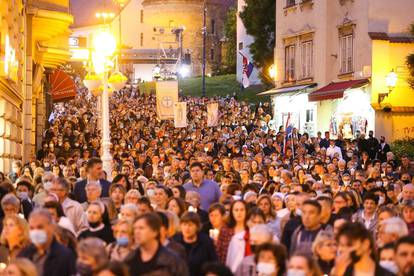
(73, 41)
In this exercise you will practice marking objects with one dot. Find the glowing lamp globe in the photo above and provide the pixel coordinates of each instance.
(104, 44)
(391, 80)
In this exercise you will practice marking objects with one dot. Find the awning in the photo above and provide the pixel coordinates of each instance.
(63, 86)
(335, 90)
(287, 89)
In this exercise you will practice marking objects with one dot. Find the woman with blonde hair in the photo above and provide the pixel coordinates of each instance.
(324, 249)
(14, 237)
(21, 267)
(124, 241)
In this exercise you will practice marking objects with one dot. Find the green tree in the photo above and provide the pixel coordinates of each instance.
(259, 19)
(410, 62)
(230, 32)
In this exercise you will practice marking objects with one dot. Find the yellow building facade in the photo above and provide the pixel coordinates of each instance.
(395, 114)
(33, 41)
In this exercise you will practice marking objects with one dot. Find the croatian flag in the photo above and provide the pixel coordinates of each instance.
(288, 133)
(247, 70)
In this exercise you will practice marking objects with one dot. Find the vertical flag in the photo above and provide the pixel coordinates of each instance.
(288, 133)
(247, 70)
(180, 114)
(212, 114)
(167, 95)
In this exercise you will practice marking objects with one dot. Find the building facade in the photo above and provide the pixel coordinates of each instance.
(34, 40)
(243, 42)
(164, 33)
(333, 62)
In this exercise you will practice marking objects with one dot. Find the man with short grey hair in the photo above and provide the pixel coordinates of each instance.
(73, 209)
(390, 230)
(47, 180)
(50, 257)
(259, 234)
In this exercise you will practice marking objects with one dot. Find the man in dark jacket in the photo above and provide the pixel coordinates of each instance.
(151, 258)
(373, 145)
(94, 170)
(199, 247)
(50, 257)
(383, 149)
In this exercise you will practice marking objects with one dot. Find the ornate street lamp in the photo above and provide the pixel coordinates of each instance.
(391, 81)
(104, 48)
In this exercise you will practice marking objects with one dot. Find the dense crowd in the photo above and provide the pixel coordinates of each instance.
(239, 199)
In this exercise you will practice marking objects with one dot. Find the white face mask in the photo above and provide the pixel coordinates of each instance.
(295, 272)
(381, 200)
(265, 268)
(298, 212)
(390, 266)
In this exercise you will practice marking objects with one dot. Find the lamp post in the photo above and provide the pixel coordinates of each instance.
(104, 48)
(203, 92)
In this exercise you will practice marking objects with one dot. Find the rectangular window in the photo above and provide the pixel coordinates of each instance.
(213, 26)
(346, 53)
(307, 59)
(141, 42)
(290, 63)
(142, 16)
(240, 46)
(212, 54)
(290, 3)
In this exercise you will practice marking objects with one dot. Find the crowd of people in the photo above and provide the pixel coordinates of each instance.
(235, 199)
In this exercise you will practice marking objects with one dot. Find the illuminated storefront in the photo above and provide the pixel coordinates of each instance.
(11, 82)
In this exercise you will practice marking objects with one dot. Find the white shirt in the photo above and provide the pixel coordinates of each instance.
(330, 151)
(235, 252)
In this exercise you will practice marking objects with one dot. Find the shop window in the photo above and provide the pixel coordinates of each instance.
(307, 59)
(142, 16)
(346, 53)
(290, 63)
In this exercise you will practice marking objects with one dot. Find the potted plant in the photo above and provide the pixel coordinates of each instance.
(117, 81)
(92, 82)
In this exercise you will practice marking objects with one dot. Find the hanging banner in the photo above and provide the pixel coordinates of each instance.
(180, 114)
(167, 95)
(212, 114)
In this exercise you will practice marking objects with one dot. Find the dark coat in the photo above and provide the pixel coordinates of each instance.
(60, 260)
(199, 253)
(80, 193)
(166, 263)
(379, 271)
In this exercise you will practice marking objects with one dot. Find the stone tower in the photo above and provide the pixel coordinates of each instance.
(189, 14)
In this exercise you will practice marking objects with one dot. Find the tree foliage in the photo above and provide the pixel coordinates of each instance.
(230, 32)
(410, 62)
(259, 19)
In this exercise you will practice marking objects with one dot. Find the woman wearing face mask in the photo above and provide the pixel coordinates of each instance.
(270, 260)
(303, 265)
(324, 249)
(92, 257)
(124, 244)
(14, 237)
